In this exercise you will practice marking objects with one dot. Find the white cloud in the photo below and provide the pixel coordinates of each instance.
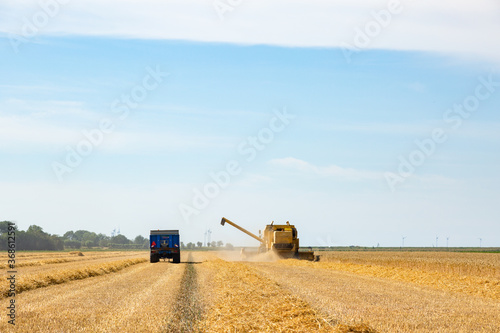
(28, 124)
(132, 142)
(21, 134)
(334, 171)
(17, 132)
(34, 125)
(448, 26)
(427, 181)
(44, 108)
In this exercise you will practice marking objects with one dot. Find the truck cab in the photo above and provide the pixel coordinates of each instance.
(165, 244)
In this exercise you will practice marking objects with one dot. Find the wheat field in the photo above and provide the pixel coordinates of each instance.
(470, 273)
(217, 292)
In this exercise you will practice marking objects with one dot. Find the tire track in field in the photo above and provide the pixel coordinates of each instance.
(187, 309)
(148, 307)
(240, 299)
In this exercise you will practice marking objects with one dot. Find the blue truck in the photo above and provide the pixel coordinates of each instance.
(165, 244)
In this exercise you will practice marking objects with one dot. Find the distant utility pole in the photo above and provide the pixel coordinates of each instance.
(403, 240)
(480, 242)
(447, 238)
(209, 236)
(437, 241)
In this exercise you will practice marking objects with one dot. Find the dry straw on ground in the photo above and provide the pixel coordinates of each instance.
(240, 300)
(33, 259)
(386, 304)
(483, 284)
(40, 280)
(459, 263)
(136, 299)
(186, 311)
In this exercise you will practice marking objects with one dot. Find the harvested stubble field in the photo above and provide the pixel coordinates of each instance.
(345, 292)
(44, 258)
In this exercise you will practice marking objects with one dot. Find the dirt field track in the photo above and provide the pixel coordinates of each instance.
(207, 292)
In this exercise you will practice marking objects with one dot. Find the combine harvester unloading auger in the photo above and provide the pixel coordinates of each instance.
(282, 239)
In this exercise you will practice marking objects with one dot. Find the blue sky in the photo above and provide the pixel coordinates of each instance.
(325, 168)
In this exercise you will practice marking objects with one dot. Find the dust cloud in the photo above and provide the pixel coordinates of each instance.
(248, 255)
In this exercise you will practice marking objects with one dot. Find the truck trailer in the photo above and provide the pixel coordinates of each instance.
(165, 244)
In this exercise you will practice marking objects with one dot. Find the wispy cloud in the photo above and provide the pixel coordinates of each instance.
(141, 142)
(480, 130)
(44, 109)
(333, 171)
(424, 182)
(21, 134)
(28, 125)
(18, 134)
(376, 127)
(449, 26)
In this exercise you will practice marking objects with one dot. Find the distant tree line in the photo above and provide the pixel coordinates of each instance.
(34, 238)
(199, 245)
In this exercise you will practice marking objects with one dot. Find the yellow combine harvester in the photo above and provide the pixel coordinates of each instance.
(280, 238)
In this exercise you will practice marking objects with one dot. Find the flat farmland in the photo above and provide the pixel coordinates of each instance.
(207, 292)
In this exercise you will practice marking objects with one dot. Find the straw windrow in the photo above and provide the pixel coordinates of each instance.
(41, 280)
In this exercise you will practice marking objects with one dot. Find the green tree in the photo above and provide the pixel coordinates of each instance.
(78, 235)
(36, 230)
(102, 239)
(139, 240)
(119, 239)
(4, 227)
(4, 230)
(69, 235)
(36, 239)
(72, 244)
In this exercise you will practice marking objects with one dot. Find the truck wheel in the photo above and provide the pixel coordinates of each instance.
(176, 258)
(153, 258)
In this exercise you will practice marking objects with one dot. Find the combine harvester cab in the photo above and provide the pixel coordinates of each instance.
(279, 238)
(283, 239)
(165, 244)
